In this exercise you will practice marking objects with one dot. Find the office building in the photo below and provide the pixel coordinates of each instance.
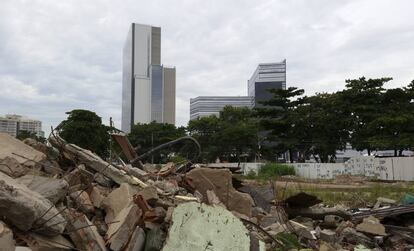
(148, 87)
(212, 105)
(266, 76)
(12, 124)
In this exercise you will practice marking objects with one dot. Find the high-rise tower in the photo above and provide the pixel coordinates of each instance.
(148, 87)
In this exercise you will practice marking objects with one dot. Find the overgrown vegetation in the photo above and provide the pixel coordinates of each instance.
(350, 196)
(271, 171)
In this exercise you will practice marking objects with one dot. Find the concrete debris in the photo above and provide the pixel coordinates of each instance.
(83, 233)
(12, 167)
(328, 236)
(6, 238)
(43, 243)
(24, 154)
(82, 201)
(98, 194)
(205, 227)
(371, 225)
(50, 188)
(68, 198)
(117, 200)
(120, 231)
(219, 180)
(26, 209)
(137, 241)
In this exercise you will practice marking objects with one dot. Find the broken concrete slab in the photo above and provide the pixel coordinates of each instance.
(82, 201)
(36, 145)
(98, 194)
(83, 233)
(24, 154)
(29, 208)
(350, 235)
(381, 201)
(371, 225)
(327, 235)
(205, 227)
(12, 167)
(93, 161)
(149, 194)
(117, 200)
(39, 242)
(137, 241)
(121, 229)
(6, 238)
(220, 181)
(262, 196)
(50, 188)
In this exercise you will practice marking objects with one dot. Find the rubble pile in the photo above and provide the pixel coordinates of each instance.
(63, 197)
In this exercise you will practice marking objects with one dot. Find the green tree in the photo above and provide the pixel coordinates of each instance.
(321, 127)
(23, 134)
(205, 131)
(230, 136)
(362, 101)
(394, 127)
(238, 133)
(85, 129)
(278, 117)
(147, 136)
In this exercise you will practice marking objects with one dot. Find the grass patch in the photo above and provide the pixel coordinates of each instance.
(352, 197)
(271, 171)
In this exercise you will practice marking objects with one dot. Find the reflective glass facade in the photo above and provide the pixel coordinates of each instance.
(127, 83)
(157, 94)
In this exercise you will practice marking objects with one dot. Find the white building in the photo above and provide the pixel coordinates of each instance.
(148, 87)
(212, 105)
(12, 124)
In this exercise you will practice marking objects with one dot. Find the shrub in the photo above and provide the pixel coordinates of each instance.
(273, 170)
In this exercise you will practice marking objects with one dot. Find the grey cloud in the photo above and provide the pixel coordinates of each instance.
(60, 55)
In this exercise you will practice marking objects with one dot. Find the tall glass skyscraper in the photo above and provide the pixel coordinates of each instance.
(265, 77)
(148, 88)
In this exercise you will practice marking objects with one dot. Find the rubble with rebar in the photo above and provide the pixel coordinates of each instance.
(64, 197)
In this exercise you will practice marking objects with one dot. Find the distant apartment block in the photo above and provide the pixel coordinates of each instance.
(266, 76)
(148, 87)
(212, 105)
(12, 124)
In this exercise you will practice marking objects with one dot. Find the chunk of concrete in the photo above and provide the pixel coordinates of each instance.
(121, 229)
(137, 241)
(12, 167)
(149, 194)
(6, 238)
(46, 243)
(117, 200)
(350, 235)
(26, 209)
(327, 235)
(50, 188)
(24, 154)
(371, 225)
(220, 181)
(83, 233)
(202, 227)
(82, 201)
(98, 194)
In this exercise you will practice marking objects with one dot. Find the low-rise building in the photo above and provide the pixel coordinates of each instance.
(212, 105)
(12, 124)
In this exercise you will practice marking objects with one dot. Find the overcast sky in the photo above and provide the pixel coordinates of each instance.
(58, 55)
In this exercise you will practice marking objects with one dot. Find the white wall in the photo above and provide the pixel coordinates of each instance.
(395, 168)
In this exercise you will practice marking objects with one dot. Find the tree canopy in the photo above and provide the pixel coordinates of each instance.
(85, 129)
